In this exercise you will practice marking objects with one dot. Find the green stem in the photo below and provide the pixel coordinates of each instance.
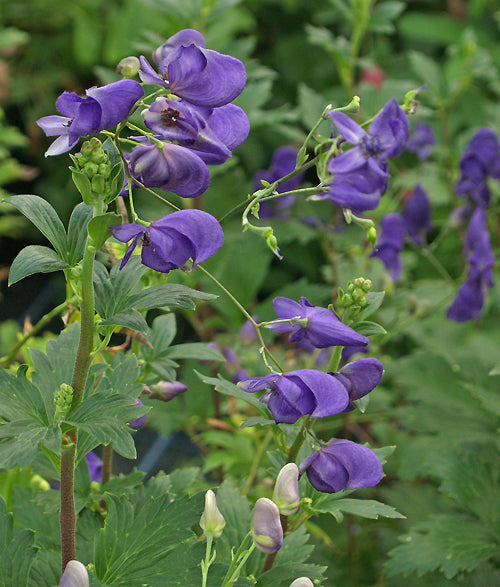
(335, 360)
(297, 443)
(238, 560)
(67, 516)
(206, 564)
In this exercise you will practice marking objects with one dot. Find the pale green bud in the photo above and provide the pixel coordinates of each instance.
(212, 521)
(286, 490)
(128, 66)
(371, 235)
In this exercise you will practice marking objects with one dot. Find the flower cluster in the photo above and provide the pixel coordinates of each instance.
(414, 220)
(360, 175)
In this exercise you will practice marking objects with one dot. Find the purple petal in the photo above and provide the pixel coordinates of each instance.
(54, 125)
(168, 247)
(184, 37)
(126, 232)
(230, 125)
(68, 104)
(347, 162)
(326, 474)
(94, 464)
(116, 101)
(325, 329)
(350, 130)
(391, 126)
(258, 383)
(267, 531)
(330, 395)
(61, 145)
(362, 464)
(148, 75)
(86, 121)
(364, 375)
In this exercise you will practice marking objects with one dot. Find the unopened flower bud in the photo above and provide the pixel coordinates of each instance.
(286, 490)
(75, 575)
(272, 243)
(371, 235)
(86, 149)
(138, 422)
(90, 168)
(98, 156)
(165, 390)
(128, 66)
(302, 582)
(37, 482)
(212, 521)
(267, 532)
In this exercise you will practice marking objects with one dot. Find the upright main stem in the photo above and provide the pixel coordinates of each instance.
(80, 372)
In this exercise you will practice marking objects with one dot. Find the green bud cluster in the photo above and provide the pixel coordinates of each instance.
(94, 176)
(63, 398)
(355, 298)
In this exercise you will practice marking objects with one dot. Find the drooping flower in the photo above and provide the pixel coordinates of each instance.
(417, 215)
(103, 108)
(360, 377)
(75, 575)
(192, 72)
(390, 243)
(421, 141)
(267, 532)
(212, 521)
(342, 464)
(298, 393)
(94, 464)
(172, 168)
(286, 490)
(386, 138)
(138, 422)
(319, 326)
(169, 242)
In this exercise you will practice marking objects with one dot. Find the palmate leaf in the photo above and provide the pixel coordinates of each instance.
(17, 551)
(133, 547)
(162, 334)
(445, 542)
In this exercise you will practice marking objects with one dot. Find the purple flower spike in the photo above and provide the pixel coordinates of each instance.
(169, 242)
(298, 393)
(172, 168)
(417, 215)
(421, 141)
(103, 108)
(360, 377)
(138, 422)
(390, 243)
(340, 465)
(386, 138)
(323, 329)
(267, 532)
(94, 464)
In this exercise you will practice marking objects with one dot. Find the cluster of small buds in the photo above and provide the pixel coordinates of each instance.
(62, 399)
(355, 297)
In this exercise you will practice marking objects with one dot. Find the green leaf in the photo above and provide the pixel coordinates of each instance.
(440, 28)
(236, 511)
(375, 299)
(130, 319)
(98, 228)
(383, 15)
(428, 71)
(133, 547)
(77, 232)
(44, 217)
(450, 543)
(194, 350)
(495, 370)
(367, 328)
(162, 334)
(366, 508)
(17, 551)
(170, 295)
(35, 259)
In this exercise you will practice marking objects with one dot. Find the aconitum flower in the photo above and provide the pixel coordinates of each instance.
(390, 243)
(138, 422)
(192, 72)
(165, 390)
(386, 138)
(421, 141)
(318, 325)
(286, 490)
(172, 168)
(417, 215)
(169, 242)
(212, 521)
(340, 465)
(298, 393)
(94, 464)
(267, 532)
(75, 575)
(360, 377)
(103, 108)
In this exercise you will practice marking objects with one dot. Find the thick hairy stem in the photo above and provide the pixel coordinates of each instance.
(67, 516)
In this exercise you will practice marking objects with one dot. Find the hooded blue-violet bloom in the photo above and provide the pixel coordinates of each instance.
(319, 326)
(298, 393)
(386, 138)
(481, 160)
(75, 575)
(342, 464)
(417, 215)
(211, 132)
(421, 141)
(192, 72)
(169, 242)
(286, 490)
(94, 464)
(138, 422)
(390, 243)
(360, 377)
(267, 532)
(469, 301)
(103, 108)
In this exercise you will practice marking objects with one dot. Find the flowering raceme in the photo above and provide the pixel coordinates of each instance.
(169, 242)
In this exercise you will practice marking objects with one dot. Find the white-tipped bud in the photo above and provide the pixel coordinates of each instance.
(75, 575)
(286, 490)
(212, 521)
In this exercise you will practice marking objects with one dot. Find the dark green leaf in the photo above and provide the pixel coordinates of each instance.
(367, 328)
(44, 217)
(77, 232)
(375, 299)
(130, 319)
(98, 228)
(170, 295)
(35, 259)
(366, 508)
(194, 350)
(162, 334)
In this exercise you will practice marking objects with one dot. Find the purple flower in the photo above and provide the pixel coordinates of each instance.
(297, 393)
(192, 72)
(421, 141)
(138, 422)
(165, 390)
(169, 242)
(390, 244)
(386, 138)
(267, 532)
(103, 108)
(417, 215)
(319, 326)
(233, 366)
(211, 132)
(360, 377)
(172, 168)
(340, 465)
(94, 464)
(469, 301)
(283, 162)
